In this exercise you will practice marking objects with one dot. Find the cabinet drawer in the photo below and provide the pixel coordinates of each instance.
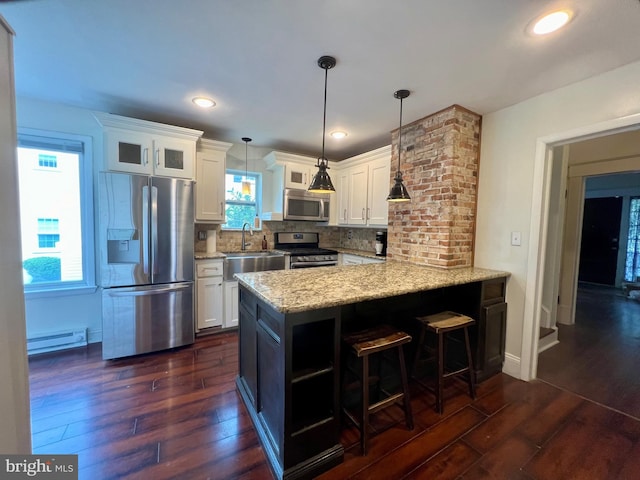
(208, 269)
(493, 291)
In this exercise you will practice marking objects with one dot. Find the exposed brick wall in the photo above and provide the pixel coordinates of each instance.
(440, 169)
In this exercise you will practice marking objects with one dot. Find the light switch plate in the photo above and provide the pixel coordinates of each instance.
(515, 239)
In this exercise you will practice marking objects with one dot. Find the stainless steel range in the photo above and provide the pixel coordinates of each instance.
(304, 250)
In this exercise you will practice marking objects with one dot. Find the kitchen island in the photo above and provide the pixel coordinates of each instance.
(291, 322)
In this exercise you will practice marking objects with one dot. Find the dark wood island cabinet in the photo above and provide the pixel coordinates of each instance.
(290, 326)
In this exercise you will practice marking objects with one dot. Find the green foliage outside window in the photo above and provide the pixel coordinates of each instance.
(43, 269)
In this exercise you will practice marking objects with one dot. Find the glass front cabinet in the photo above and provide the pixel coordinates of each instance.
(138, 146)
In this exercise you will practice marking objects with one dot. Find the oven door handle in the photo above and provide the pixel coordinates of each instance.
(328, 263)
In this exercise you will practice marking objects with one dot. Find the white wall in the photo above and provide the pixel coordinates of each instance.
(508, 173)
(50, 313)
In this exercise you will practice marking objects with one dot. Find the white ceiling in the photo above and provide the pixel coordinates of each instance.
(258, 60)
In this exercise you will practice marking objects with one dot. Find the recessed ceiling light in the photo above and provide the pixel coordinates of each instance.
(203, 102)
(551, 22)
(338, 134)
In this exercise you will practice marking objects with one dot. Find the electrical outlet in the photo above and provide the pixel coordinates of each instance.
(202, 235)
(515, 239)
(349, 234)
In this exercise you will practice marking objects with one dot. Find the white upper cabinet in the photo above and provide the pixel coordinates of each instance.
(362, 185)
(298, 170)
(288, 171)
(298, 175)
(139, 146)
(210, 174)
(357, 185)
(378, 185)
(341, 183)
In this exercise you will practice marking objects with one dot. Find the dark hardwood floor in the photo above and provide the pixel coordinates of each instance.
(599, 355)
(177, 415)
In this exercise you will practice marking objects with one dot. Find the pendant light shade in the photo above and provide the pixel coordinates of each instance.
(246, 185)
(399, 192)
(321, 182)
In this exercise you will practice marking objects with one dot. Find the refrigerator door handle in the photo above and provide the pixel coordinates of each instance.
(145, 229)
(154, 231)
(134, 292)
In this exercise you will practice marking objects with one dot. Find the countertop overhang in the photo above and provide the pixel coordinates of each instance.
(293, 291)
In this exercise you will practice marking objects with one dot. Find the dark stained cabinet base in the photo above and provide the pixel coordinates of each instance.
(290, 364)
(306, 469)
(289, 376)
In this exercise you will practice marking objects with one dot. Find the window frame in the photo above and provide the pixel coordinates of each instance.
(30, 137)
(258, 177)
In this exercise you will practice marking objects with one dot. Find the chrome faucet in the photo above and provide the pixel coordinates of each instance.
(244, 244)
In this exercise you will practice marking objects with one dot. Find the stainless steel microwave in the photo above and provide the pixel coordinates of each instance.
(304, 205)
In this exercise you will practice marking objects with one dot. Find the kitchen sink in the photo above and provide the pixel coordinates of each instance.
(244, 262)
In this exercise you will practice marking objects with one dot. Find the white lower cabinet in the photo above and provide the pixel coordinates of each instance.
(350, 259)
(230, 304)
(209, 294)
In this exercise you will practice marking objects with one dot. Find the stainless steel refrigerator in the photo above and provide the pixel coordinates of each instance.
(146, 263)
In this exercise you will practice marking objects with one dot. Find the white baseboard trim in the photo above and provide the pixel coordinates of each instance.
(95, 336)
(511, 366)
(548, 341)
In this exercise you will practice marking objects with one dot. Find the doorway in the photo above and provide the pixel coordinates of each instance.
(548, 168)
(598, 349)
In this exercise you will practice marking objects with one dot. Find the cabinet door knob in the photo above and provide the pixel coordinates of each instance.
(157, 157)
(145, 156)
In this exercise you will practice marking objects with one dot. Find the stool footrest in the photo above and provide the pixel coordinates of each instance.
(385, 403)
(456, 372)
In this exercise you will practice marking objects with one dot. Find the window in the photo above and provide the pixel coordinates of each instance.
(47, 161)
(56, 210)
(632, 266)
(241, 207)
(48, 232)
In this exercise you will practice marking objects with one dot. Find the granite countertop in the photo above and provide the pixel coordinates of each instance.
(292, 291)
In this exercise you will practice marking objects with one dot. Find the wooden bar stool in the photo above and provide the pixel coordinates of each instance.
(441, 324)
(363, 344)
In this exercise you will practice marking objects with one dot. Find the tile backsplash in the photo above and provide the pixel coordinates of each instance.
(330, 236)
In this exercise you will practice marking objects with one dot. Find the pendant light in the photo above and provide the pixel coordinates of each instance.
(321, 182)
(246, 185)
(399, 192)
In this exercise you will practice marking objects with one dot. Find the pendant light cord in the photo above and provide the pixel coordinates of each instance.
(324, 115)
(400, 136)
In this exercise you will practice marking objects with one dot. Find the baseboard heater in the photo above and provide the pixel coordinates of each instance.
(51, 342)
